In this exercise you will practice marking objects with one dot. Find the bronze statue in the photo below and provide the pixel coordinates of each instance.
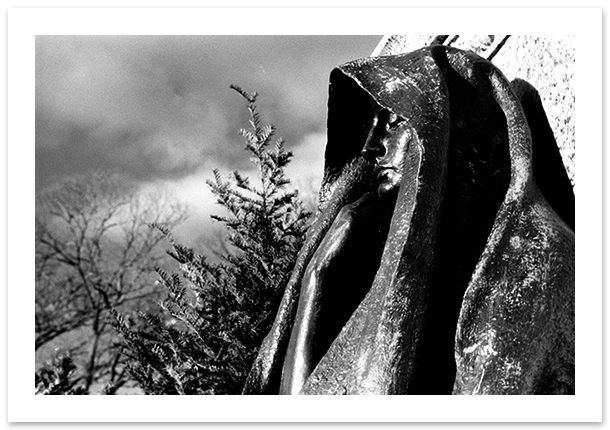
(441, 259)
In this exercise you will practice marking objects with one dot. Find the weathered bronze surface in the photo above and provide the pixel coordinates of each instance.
(441, 259)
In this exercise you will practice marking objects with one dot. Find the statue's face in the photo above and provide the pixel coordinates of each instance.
(386, 145)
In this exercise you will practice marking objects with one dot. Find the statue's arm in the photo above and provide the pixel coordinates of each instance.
(299, 361)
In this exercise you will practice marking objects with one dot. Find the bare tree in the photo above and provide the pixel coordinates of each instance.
(96, 249)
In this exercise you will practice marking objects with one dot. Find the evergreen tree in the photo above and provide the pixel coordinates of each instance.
(56, 378)
(216, 314)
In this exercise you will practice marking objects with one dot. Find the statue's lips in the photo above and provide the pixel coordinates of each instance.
(386, 173)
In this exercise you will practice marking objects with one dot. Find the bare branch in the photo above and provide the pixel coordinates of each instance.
(95, 249)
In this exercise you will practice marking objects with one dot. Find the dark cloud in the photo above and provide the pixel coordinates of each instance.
(159, 110)
(160, 106)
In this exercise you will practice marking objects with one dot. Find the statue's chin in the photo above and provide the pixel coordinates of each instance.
(388, 188)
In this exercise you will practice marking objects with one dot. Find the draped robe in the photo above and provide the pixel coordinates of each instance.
(471, 289)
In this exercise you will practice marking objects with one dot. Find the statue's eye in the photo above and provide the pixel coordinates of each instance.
(394, 120)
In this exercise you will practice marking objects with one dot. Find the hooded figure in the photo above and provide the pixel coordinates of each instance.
(441, 257)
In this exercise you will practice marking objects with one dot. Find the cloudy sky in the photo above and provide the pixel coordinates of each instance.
(159, 109)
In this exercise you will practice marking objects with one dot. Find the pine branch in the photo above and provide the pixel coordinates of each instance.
(215, 316)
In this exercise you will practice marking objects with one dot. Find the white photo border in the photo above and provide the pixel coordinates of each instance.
(24, 24)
